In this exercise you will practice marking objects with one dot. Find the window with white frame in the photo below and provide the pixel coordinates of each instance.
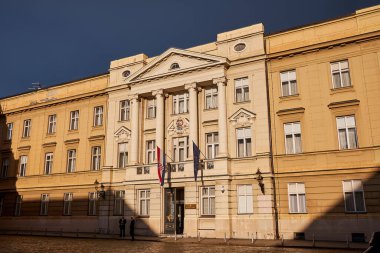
(23, 164)
(297, 198)
(48, 163)
(288, 83)
(4, 167)
(26, 128)
(150, 108)
(354, 196)
(67, 202)
(241, 90)
(340, 73)
(123, 155)
(1, 205)
(18, 205)
(208, 200)
(98, 115)
(293, 143)
(9, 131)
(180, 103)
(244, 142)
(212, 143)
(124, 110)
(92, 196)
(52, 124)
(245, 199)
(74, 120)
(71, 160)
(211, 98)
(44, 204)
(150, 151)
(119, 203)
(96, 158)
(144, 202)
(347, 132)
(180, 148)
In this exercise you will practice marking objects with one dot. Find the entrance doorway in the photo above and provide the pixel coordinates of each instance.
(174, 210)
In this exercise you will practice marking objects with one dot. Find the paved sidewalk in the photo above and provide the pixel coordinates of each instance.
(210, 241)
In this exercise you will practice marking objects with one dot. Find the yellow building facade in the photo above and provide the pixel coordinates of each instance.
(287, 127)
(324, 101)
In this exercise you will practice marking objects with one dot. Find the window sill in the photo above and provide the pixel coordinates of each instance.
(341, 89)
(242, 102)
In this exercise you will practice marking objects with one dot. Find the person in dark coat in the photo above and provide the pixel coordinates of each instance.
(374, 243)
(122, 223)
(132, 228)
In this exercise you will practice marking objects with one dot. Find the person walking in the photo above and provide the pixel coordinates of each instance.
(132, 228)
(122, 223)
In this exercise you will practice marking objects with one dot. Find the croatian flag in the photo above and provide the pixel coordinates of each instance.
(160, 166)
(196, 154)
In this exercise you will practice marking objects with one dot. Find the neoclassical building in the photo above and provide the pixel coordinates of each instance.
(253, 136)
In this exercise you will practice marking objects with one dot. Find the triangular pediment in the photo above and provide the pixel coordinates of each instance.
(186, 60)
(242, 117)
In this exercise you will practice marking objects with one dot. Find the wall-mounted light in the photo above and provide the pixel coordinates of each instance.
(99, 187)
(260, 180)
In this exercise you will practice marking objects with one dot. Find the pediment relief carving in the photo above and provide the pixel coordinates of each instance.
(242, 118)
(179, 126)
(187, 60)
(123, 134)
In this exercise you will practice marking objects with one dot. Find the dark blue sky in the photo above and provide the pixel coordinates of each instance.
(55, 41)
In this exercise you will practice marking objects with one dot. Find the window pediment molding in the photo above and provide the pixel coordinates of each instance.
(242, 118)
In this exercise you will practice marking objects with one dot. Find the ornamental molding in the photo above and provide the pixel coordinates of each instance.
(123, 134)
(179, 126)
(242, 118)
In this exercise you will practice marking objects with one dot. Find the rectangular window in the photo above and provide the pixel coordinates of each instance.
(354, 196)
(92, 203)
(211, 98)
(124, 110)
(74, 120)
(212, 143)
(44, 204)
(48, 163)
(244, 142)
(52, 123)
(151, 108)
(4, 167)
(245, 199)
(180, 103)
(119, 203)
(293, 137)
(340, 74)
(150, 151)
(26, 128)
(144, 202)
(71, 160)
(297, 198)
(241, 90)
(98, 115)
(180, 148)
(288, 83)
(347, 132)
(9, 131)
(18, 205)
(208, 200)
(123, 155)
(23, 164)
(67, 201)
(96, 158)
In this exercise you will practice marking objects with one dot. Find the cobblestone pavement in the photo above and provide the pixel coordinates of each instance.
(37, 244)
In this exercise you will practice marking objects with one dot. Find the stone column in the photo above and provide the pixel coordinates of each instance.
(222, 116)
(134, 157)
(193, 118)
(160, 118)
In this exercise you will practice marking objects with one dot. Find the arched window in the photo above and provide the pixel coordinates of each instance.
(174, 66)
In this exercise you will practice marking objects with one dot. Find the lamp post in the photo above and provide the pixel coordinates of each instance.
(99, 187)
(260, 180)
